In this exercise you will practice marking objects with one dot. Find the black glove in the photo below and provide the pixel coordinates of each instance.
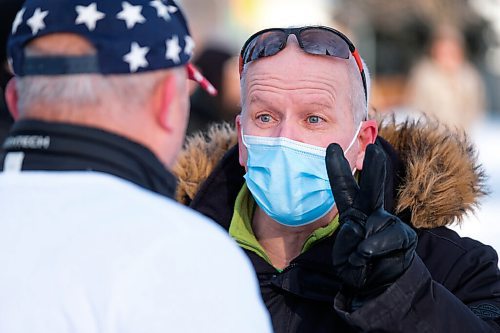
(373, 248)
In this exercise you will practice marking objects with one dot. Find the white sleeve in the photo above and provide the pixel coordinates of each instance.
(204, 285)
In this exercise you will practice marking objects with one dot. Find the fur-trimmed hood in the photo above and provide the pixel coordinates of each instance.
(443, 180)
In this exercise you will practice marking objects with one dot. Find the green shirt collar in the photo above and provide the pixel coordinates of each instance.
(241, 226)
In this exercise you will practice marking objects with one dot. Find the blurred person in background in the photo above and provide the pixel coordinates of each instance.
(220, 67)
(445, 85)
(346, 223)
(9, 9)
(90, 238)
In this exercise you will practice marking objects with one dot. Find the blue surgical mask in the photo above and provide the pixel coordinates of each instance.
(288, 179)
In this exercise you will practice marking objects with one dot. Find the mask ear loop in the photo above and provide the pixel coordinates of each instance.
(354, 138)
(352, 143)
(243, 138)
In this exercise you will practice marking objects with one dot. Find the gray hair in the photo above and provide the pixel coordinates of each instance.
(359, 101)
(127, 92)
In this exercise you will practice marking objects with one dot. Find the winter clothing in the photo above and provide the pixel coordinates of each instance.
(452, 285)
(90, 241)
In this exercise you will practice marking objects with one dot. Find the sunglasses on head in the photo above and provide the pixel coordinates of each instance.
(317, 40)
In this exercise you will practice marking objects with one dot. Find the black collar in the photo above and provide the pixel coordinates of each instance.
(65, 147)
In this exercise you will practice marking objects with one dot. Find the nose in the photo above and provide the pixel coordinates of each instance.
(288, 130)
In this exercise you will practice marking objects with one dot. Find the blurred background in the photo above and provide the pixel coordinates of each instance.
(440, 57)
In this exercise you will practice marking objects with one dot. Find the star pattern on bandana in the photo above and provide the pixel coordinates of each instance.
(18, 20)
(172, 9)
(36, 22)
(189, 47)
(131, 14)
(135, 36)
(173, 49)
(161, 9)
(88, 15)
(136, 58)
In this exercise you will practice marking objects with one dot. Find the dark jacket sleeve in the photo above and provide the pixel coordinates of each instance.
(417, 303)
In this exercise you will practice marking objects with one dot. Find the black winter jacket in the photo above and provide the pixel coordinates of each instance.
(453, 284)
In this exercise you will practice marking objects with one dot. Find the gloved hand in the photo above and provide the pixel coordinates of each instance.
(373, 247)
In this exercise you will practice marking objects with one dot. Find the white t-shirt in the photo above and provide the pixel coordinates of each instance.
(89, 252)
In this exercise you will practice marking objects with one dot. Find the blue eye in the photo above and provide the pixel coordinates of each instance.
(265, 118)
(313, 119)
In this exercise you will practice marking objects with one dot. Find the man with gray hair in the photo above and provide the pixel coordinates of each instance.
(329, 207)
(90, 240)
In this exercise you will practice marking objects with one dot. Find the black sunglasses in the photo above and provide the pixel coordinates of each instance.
(312, 39)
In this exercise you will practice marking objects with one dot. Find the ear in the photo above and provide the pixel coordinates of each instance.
(367, 135)
(164, 98)
(242, 150)
(11, 98)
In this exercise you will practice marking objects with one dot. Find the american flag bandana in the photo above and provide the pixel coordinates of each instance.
(130, 37)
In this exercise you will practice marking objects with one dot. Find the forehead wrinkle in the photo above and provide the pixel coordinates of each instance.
(273, 84)
(288, 80)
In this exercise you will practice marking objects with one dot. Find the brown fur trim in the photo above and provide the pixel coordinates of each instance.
(198, 158)
(443, 179)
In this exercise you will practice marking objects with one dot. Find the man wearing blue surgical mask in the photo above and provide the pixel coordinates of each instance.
(333, 253)
(295, 105)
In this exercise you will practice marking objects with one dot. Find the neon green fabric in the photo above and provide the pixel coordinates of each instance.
(241, 223)
(241, 226)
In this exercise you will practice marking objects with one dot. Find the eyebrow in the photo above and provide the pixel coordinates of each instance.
(255, 99)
